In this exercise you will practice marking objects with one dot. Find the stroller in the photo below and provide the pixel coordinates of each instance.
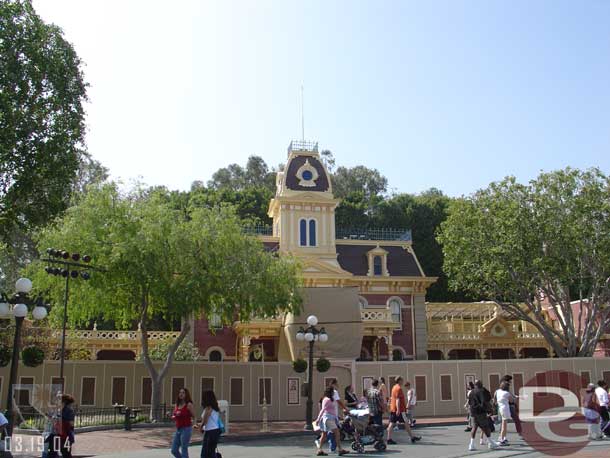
(357, 427)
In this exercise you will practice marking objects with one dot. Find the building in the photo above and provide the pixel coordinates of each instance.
(373, 275)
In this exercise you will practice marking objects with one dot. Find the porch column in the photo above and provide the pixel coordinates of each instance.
(388, 340)
(245, 349)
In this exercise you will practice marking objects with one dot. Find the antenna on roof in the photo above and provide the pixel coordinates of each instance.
(302, 115)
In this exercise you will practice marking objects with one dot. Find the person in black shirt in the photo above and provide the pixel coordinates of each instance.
(351, 400)
(479, 402)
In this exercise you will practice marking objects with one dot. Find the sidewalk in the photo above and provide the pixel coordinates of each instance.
(140, 439)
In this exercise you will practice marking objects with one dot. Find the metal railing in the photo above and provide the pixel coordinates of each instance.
(376, 315)
(84, 334)
(258, 229)
(373, 234)
(302, 145)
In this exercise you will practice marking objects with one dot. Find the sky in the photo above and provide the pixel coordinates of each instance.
(446, 94)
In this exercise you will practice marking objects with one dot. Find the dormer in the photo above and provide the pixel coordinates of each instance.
(378, 262)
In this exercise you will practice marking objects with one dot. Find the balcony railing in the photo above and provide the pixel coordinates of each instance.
(458, 336)
(302, 145)
(116, 335)
(258, 229)
(382, 315)
(373, 234)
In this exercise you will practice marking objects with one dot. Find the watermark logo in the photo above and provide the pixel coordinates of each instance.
(551, 413)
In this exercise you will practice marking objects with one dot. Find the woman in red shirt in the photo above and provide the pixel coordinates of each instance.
(183, 417)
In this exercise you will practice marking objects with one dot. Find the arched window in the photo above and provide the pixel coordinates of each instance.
(312, 232)
(215, 321)
(377, 265)
(303, 232)
(397, 355)
(363, 302)
(215, 355)
(396, 310)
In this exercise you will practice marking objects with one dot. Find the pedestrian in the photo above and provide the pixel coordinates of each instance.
(183, 418)
(411, 403)
(469, 388)
(602, 398)
(375, 403)
(479, 402)
(330, 437)
(514, 407)
(210, 424)
(383, 390)
(398, 409)
(590, 407)
(351, 400)
(3, 423)
(66, 426)
(327, 421)
(503, 398)
(335, 385)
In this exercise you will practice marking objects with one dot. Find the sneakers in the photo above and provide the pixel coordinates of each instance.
(396, 428)
(343, 452)
(492, 445)
(321, 453)
(415, 439)
(317, 442)
(391, 442)
(472, 448)
(504, 443)
(482, 441)
(468, 429)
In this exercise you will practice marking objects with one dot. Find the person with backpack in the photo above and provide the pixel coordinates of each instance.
(211, 425)
(479, 401)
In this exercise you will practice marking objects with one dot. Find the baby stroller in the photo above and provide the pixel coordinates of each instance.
(358, 428)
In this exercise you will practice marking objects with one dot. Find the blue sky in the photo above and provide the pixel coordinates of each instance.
(446, 94)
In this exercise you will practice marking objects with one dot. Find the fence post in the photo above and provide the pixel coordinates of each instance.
(127, 419)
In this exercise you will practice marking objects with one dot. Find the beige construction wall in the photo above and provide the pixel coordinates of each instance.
(453, 374)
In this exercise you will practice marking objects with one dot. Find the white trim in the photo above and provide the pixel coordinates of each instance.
(201, 386)
(258, 391)
(288, 379)
(401, 306)
(231, 390)
(363, 302)
(425, 384)
(82, 382)
(142, 392)
(366, 377)
(401, 350)
(51, 387)
(440, 385)
(30, 392)
(307, 232)
(489, 380)
(215, 348)
(112, 387)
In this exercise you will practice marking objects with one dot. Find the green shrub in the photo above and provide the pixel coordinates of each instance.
(32, 356)
(322, 365)
(299, 365)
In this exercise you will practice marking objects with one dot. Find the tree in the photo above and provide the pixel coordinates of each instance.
(359, 179)
(234, 177)
(160, 263)
(42, 125)
(528, 246)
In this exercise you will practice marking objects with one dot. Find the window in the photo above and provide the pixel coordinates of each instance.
(396, 309)
(312, 232)
(118, 390)
(146, 391)
(237, 391)
(377, 270)
(446, 394)
(363, 302)
(606, 376)
(585, 378)
(517, 382)
(215, 321)
(397, 355)
(420, 388)
(177, 384)
(56, 387)
(215, 355)
(87, 391)
(307, 232)
(207, 384)
(494, 382)
(264, 390)
(23, 395)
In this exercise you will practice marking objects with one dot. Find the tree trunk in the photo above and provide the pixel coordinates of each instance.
(156, 412)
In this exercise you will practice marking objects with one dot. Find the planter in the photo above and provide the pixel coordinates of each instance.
(32, 356)
(322, 365)
(299, 365)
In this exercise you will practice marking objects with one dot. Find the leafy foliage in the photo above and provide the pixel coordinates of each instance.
(322, 365)
(32, 356)
(299, 365)
(529, 246)
(5, 355)
(186, 351)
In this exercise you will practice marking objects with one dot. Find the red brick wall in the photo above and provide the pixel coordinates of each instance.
(224, 338)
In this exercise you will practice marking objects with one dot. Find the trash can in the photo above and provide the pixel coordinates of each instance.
(224, 413)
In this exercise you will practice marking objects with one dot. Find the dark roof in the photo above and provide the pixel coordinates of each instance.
(292, 181)
(271, 246)
(401, 263)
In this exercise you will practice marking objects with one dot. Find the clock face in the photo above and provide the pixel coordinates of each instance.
(307, 175)
(498, 330)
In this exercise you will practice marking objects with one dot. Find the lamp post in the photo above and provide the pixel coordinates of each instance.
(311, 335)
(21, 302)
(71, 267)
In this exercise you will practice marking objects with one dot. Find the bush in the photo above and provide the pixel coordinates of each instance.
(185, 352)
(32, 356)
(322, 365)
(299, 365)
(5, 355)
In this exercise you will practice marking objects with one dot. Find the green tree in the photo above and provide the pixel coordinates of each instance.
(528, 246)
(160, 263)
(234, 177)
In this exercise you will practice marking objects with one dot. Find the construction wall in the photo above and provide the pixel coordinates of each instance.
(440, 384)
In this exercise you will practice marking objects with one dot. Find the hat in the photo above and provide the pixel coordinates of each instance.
(590, 386)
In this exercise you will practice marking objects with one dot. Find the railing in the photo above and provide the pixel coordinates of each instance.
(383, 315)
(448, 336)
(117, 335)
(258, 229)
(302, 145)
(373, 234)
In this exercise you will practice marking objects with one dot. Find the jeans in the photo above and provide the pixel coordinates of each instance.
(210, 442)
(332, 442)
(181, 441)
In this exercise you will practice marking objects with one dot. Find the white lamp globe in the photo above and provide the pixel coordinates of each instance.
(39, 313)
(4, 309)
(312, 320)
(300, 336)
(308, 336)
(20, 310)
(23, 285)
(324, 337)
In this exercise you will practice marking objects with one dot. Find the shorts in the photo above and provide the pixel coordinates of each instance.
(411, 413)
(504, 413)
(481, 420)
(396, 417)
(328, 425)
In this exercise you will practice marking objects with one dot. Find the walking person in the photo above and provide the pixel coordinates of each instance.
(590, 407)
(183, 418)
(479, 402)
(411, 403)
(383, 390)
(351, 400)
(514, 407)
(65, 428)
(398, 409)
(503, 397)
(602, 398)
(469, 388)
(210, 424)
(3, 426)
(375, 403)
(327, 421)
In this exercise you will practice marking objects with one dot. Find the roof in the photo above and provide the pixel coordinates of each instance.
(401, 263)
(472, 310)
(292, 181)
(271, 246)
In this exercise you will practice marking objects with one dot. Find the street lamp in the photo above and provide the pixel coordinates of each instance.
(21, 303)
(71, 267)
(311, 335)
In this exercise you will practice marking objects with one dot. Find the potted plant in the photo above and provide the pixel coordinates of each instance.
(299, 365)
(322, 365)
(32, 356)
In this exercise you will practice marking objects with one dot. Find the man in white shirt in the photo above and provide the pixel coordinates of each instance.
(602, 397)
(411, 403)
